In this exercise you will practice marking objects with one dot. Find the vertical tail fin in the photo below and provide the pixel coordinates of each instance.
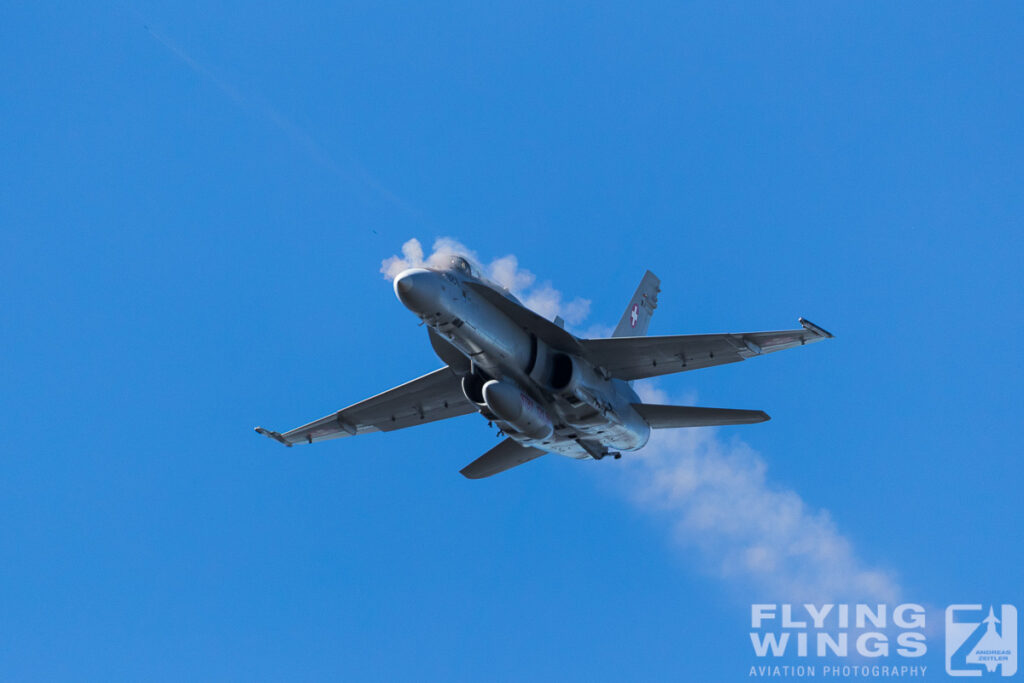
(641, 307)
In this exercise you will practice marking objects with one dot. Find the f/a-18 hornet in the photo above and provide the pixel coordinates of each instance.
(547, 390)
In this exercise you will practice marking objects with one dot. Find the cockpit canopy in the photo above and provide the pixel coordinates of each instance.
(462, 265)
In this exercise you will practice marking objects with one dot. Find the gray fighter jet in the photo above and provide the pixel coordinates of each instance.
(547, 390)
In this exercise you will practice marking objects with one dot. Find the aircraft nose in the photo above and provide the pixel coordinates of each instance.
(416, 288)
(403, 285)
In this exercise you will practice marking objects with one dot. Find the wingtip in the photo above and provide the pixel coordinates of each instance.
(276, 436)
(820, 331)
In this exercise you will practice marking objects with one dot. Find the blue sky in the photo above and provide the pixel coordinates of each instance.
(194, 205)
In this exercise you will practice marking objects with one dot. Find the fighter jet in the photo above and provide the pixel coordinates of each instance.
(545, 389)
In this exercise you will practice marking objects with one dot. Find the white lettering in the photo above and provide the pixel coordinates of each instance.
(839, 647)
(916, 619)
(818, 616)
(877, 618)
(864, 640)
(759, 613)
(774, 642)
(787, 618)
(911, 644)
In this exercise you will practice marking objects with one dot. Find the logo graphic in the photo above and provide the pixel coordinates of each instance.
(634, 314)
(978, 645)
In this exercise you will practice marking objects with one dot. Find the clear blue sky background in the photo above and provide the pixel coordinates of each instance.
(192, 218)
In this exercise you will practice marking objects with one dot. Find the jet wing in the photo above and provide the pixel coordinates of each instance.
(432, 397)
(630, 358)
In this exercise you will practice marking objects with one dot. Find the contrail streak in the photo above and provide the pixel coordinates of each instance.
(715, 495)
(355, 170)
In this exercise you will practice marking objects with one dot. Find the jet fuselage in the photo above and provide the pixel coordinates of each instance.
(542, 397)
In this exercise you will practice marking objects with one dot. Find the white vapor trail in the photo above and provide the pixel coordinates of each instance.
(352, 170)
(542, 298)
(713, 492)
(716, 496)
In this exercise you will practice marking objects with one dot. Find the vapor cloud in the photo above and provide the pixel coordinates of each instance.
(542, 298)
(715, 495)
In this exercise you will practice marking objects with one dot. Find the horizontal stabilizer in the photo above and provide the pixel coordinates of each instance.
(668, 417)
(504, 456)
